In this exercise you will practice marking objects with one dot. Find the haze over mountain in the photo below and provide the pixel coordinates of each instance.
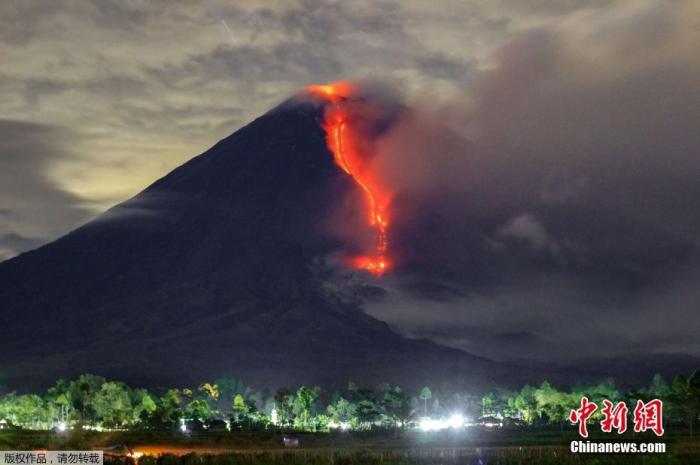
(216, 268)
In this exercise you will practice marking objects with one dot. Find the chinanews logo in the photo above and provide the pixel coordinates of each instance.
(645, 417)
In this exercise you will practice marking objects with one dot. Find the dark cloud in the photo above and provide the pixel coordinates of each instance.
(32, 205)
(559, 200)
(442, 67)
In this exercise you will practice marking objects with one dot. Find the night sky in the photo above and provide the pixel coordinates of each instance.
(548, 163)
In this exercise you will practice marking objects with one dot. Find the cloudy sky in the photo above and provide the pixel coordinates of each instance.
(99, 98)
(582, 166)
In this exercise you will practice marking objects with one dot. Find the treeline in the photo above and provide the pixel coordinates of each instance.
(227, 403)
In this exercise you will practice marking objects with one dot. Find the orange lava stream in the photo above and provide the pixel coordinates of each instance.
(335, 125)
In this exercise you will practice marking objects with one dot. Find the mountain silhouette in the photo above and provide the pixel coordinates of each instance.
(215, 268)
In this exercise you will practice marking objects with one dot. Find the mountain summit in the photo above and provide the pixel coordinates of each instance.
(212, 269)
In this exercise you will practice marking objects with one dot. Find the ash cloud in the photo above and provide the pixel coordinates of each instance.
(557, 199)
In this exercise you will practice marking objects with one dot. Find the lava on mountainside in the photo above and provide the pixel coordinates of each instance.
(342, 140)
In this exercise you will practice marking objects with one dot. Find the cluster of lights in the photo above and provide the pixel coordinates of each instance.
(455, 421)
(343, 425)
(96, 428)
(426, 424)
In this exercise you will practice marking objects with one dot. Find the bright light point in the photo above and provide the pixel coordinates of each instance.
(436, 424)
(344, 426)
(456, 421)
(61, 427)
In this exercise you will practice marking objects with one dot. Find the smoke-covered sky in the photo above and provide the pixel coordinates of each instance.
(548, 165)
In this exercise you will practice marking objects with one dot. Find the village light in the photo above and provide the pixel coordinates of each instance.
(61, 427)
(437, 424)
(456, 421)
(430, 424)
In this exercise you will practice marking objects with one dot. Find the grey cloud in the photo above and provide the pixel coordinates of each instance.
(527, 228)
(442, 67)
(561, 199)
(11, 244)
(247, 66)
(34, 207)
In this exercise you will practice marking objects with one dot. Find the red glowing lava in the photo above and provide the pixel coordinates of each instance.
(342, 142)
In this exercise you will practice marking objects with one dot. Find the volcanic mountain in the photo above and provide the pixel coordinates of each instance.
(216, 268)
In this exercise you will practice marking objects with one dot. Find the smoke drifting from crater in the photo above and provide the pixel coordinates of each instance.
(559, 189)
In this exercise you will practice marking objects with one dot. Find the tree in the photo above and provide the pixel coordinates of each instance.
(227, 390)
(64, 404)
(212, 390)
(168, 411)
(397, 406)
(555, 404)
(488, 403)
(511, 410)
(684, 396)
(304, 406)
(61, 397)
(144, 405)
(82, 391)
(200, 410)
(112, 404)
(367, 412)
(341, 411)
(425, 395)
(694, 398)
(526, 404)
(240, 409)
(27, 411)
(7, 407)
(284, 405)
(659, 387)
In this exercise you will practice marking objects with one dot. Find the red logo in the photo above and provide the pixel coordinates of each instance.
(646, 416)
(581, 415)
(649, 416)
(614, 417)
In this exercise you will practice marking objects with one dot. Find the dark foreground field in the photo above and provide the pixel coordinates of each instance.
(261, 448)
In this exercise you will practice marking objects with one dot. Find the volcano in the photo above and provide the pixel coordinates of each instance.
(218, 267)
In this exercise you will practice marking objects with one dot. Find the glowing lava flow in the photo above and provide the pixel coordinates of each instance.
(349, 160)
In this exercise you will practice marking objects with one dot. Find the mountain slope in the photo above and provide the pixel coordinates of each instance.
(211, 269)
